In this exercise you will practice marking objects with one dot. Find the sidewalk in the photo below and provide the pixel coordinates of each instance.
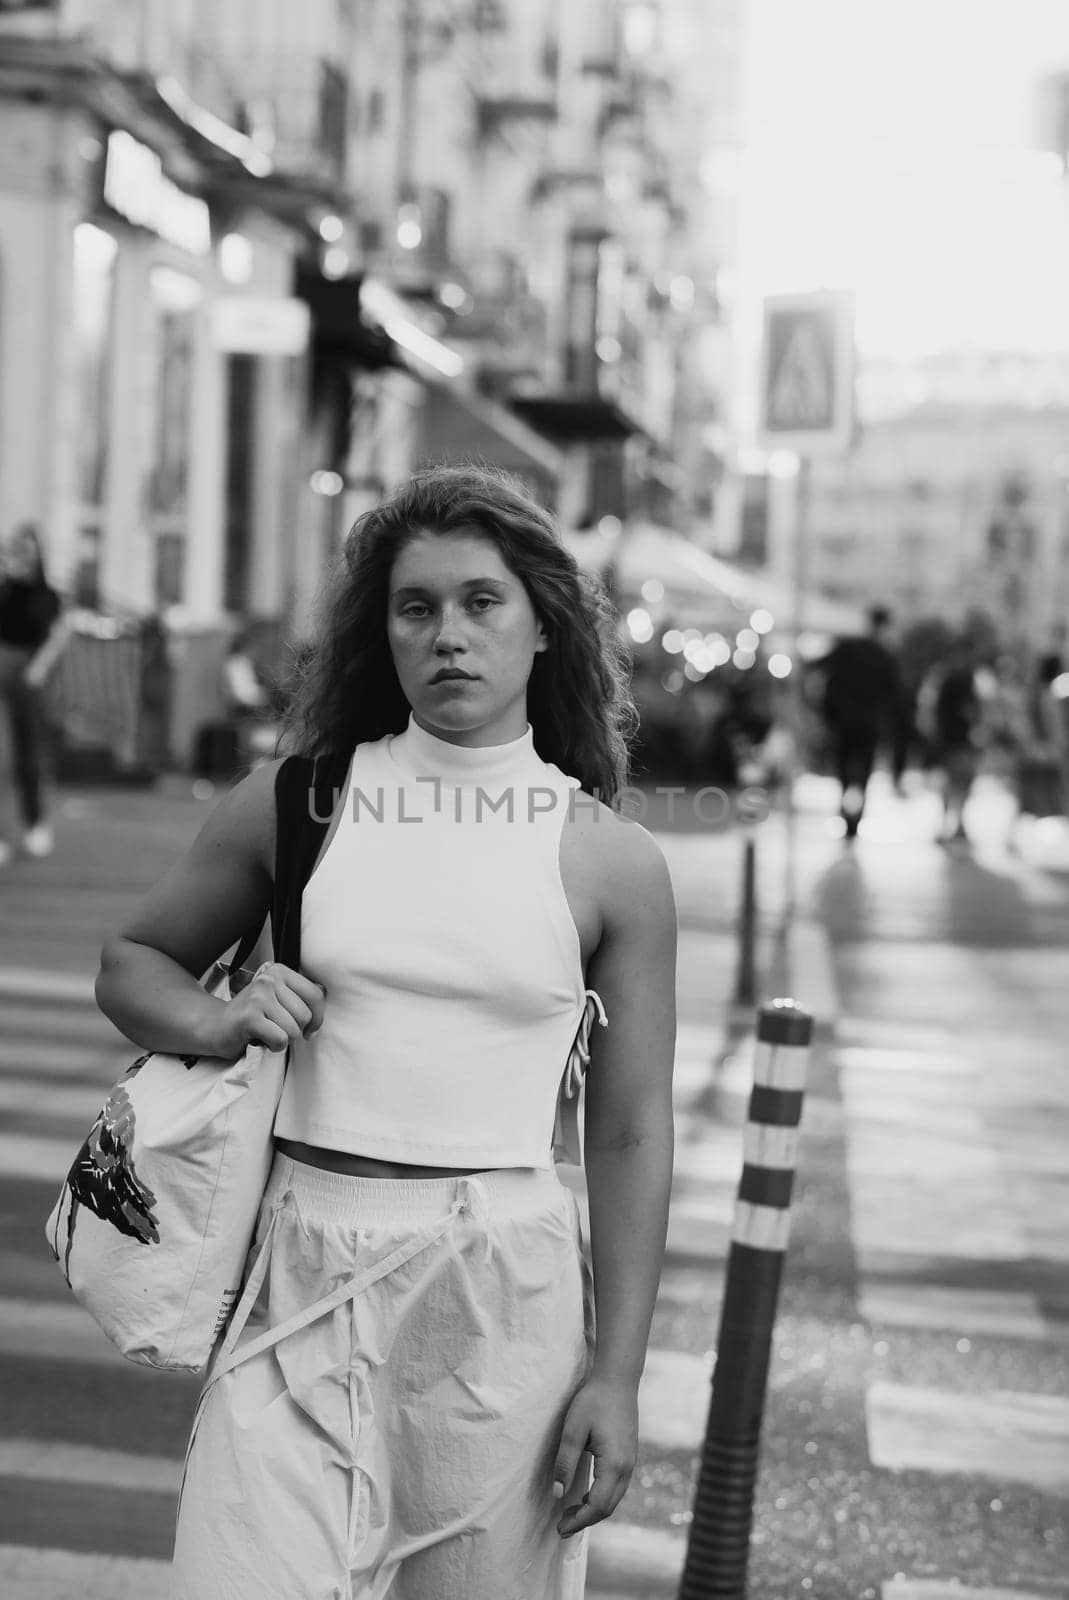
(916, 1438)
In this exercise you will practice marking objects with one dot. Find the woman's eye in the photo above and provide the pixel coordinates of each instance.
(414, 611)
(483, 602)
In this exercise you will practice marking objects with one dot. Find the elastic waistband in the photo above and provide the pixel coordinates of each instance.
(340, 1195)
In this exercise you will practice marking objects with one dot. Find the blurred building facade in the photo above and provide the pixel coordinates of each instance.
(258, 261)
(956, 496)
(150, 396)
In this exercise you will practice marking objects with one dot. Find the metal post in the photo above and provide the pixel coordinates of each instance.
(746, 976)
(798, 696)
(719, 1542)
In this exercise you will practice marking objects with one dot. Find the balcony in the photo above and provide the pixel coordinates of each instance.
(294, 109)
(497, 110)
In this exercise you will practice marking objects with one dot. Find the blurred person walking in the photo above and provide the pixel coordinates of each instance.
(903, 733)
(1039, 765)
(951, 717)
(859, 703)
(32, 636)
(433, 1436)
(248, 703)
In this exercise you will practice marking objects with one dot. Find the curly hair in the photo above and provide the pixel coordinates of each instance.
(578, 700)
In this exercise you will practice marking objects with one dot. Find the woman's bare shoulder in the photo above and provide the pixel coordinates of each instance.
(243, 822)
(622, 855)
(221, 887)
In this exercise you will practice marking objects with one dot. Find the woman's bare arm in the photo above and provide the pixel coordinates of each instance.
(628, 1155)
(148, 981)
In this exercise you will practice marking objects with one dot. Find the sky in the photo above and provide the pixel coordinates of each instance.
(893, 147)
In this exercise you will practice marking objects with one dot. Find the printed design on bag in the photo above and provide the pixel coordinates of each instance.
(103, 1176)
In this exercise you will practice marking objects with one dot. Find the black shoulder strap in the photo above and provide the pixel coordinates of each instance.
(306, 793)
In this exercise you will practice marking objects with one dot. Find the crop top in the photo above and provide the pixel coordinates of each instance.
(437, 923)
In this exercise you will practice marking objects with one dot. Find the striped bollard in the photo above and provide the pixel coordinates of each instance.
(719, 1543)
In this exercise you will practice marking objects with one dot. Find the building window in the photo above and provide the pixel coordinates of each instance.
(333, 114)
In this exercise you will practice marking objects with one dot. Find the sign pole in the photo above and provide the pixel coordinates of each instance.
(798, 703)
(806, 407)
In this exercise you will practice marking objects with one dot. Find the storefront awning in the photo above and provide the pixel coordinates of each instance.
(338, 323)
(574, 418)
(459, 425)
(700, 588)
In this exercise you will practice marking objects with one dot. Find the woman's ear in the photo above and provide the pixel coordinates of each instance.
(542, 642)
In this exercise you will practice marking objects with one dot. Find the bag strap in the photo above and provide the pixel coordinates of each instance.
(307, 790)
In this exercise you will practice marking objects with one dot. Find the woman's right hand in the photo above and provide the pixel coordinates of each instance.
(275, 1006)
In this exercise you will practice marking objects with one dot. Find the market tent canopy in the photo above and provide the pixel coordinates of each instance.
(702, 588)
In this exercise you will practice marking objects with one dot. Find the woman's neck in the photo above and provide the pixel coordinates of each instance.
(425, 754)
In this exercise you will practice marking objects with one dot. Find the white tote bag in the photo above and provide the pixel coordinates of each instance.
(154, 1220)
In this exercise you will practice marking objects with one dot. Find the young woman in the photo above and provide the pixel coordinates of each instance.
(433, 1436)
(31, 637)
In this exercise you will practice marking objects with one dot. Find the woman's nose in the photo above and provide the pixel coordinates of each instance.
(450, 634)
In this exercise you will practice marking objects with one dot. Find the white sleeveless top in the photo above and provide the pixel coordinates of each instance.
(438, 925)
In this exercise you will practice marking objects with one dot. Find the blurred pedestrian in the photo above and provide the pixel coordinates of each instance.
(32, 637)
(431, 1436)
(1038, 756)
(248, 703)
(858, 701)
(953, 722)
(903, 733)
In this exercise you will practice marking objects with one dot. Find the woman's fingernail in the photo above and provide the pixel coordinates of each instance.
(558, 1491)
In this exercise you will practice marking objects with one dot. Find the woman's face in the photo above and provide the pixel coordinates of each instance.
(463, 635)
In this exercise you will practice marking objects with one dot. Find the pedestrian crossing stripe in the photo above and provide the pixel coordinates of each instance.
(38, 983)
(49, 1461)
(946, 1589)
(58, 1330)
(35, 1156)
(58, 1102)
(27, 1574)
(1007, 1436)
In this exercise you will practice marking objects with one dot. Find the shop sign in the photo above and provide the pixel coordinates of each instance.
(136, 186)
(261, 325)
(807, 375)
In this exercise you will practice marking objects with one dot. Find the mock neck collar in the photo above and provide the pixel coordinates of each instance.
(423, 754)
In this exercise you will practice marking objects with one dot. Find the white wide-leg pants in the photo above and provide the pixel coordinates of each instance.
(384, 1424)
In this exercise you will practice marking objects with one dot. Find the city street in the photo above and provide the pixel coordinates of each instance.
(363, 356)
(916, 1441)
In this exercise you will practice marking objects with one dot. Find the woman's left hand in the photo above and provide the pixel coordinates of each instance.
(602, 1420)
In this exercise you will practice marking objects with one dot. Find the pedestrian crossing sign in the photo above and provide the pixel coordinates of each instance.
(807, 373)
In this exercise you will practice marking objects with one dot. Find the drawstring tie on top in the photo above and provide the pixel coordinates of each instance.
(566, 1124)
